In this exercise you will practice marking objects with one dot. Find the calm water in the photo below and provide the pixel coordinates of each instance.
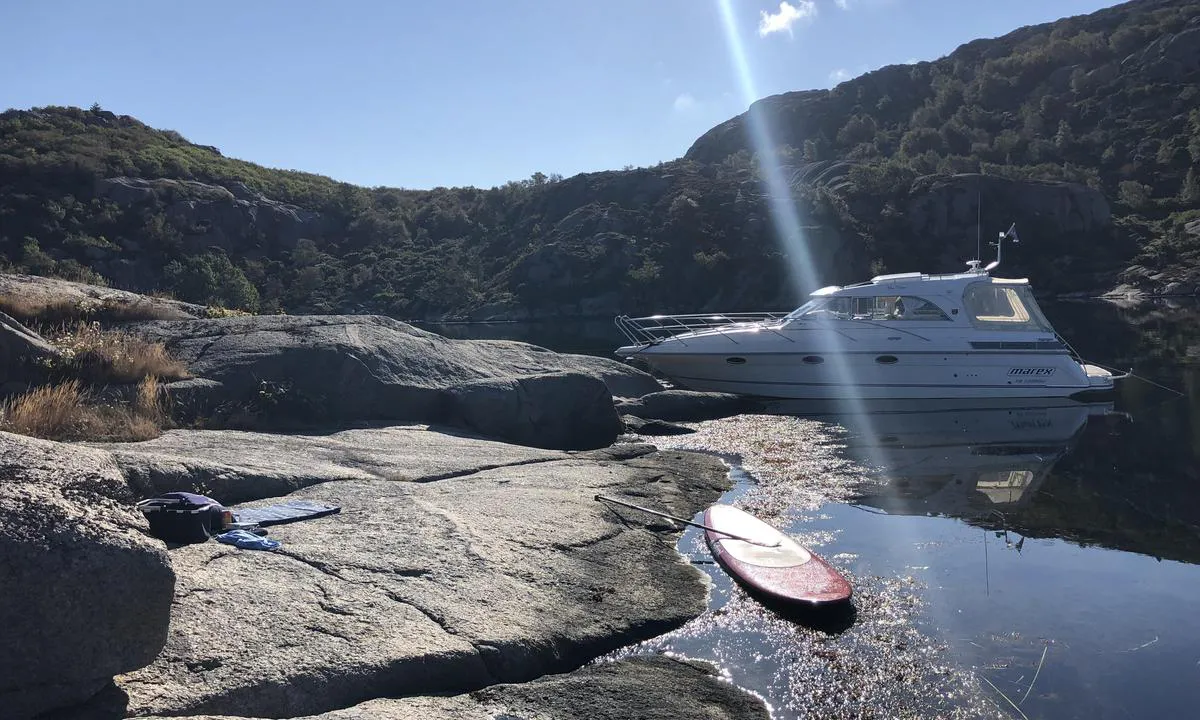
(1044, 555)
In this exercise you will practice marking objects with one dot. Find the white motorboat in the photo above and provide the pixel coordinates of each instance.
(905, 336)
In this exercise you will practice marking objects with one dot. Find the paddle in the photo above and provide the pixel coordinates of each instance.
(685, 522)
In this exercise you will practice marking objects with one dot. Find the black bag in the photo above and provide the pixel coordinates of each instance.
(184, 518)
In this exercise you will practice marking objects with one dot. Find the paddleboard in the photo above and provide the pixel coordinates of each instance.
(774, 564)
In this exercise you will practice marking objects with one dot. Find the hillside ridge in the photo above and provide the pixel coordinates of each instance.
(1085, 131)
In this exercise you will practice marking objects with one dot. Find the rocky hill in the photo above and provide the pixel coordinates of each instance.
(1083, 131)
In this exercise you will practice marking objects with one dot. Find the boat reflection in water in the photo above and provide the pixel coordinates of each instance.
(975, 462)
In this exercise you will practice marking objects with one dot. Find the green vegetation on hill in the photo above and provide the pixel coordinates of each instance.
(1110, 100)
(1107, 100)
(304, 243)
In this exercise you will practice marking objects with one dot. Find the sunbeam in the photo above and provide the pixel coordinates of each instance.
(779, 192)
(791, 238)
(786, 216)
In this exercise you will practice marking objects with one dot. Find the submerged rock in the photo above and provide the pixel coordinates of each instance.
(653, 427)
(685, 405)
(86, 593)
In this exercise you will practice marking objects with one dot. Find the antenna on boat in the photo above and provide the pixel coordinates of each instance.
(1010, 233)
(978, 224)
(973, 266)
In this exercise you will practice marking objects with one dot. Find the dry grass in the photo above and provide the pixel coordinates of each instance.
(109, 356)
(67, 412)
(214, 312)
(27, 310)
(134, 311)
(51, 412)
(59, 311)
(148, 403)
(77, 406)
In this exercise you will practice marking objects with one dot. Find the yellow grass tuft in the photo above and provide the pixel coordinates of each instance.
(38, 310)
(213, 312)
(52, 412)
(57, 311)
(147, 401)
(66, 412)
(110, 356)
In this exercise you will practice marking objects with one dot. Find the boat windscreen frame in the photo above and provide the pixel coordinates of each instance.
(870, 308)
(997, 306)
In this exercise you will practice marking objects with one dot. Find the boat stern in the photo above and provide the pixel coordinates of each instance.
(1101, 379)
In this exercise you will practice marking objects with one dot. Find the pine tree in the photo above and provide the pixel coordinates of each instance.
(1190, 192)
(1064, 137)
(1194, 140)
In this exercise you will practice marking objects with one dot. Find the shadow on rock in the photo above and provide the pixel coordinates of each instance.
(111, 703)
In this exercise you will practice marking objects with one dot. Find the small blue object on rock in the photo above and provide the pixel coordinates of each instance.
(247, 540)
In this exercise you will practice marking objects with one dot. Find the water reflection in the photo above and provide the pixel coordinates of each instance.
(1083, 472)
(968, 463)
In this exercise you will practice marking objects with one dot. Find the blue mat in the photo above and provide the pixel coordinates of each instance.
(290, 511)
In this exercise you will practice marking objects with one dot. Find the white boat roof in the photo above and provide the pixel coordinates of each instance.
(916, 282)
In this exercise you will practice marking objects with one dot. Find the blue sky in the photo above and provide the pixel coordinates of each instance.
(420, 93)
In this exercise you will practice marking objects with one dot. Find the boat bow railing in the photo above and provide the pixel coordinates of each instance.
(656, 328)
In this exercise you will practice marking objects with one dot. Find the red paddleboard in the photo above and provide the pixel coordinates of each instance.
(774, 564)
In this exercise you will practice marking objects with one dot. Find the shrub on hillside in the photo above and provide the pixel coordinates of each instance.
(99, 356)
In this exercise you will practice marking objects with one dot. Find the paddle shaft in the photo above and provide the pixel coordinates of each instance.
(702, 526)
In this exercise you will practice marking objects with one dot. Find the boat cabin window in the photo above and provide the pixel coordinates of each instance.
(885, 307)
(1003, 307)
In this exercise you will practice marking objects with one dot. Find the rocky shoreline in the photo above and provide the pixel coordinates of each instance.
(469, 568)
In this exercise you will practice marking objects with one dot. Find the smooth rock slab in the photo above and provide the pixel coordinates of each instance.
(435, 588)
(644, 688)
(234, 466)
(85, 593)
(564, 411)
(365, 367)
(24, 355)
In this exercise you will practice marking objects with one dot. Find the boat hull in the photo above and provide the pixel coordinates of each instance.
(876, 375)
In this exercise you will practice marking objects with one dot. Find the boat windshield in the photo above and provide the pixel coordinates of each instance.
(884, 307)
(1004, 307)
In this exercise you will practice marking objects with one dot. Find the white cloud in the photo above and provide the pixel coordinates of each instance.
(840, 75)
(843, 4)
(685, 103)
(787, 16)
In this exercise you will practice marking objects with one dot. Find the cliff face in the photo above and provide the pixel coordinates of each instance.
(1110, 76)
(1085, 132)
